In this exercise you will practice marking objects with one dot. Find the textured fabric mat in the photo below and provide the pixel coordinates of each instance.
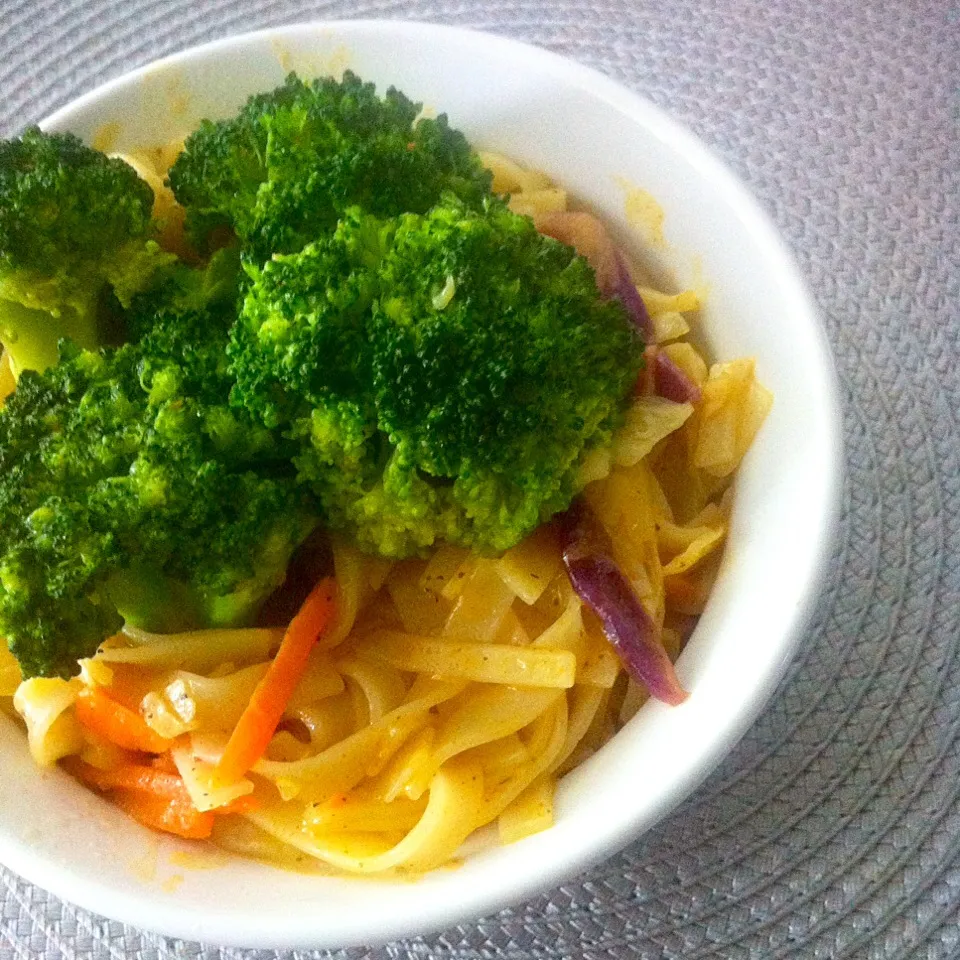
(833, 830)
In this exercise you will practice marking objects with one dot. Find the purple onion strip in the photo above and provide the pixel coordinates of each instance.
(671, 383)
(601, 585)
(626, 290)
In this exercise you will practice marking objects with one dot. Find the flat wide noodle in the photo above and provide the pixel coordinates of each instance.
(201, 651)
(455, 797)
(483, 662)
(342, 766)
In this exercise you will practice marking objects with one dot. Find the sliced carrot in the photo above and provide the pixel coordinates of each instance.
(154, 797)
(246, 804)
(259, 719)
(130, 776)
(165, 763)
(119, 724)
(161, 813)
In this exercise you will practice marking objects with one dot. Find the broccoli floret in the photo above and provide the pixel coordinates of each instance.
(304, 335)
(472, 366)
(209, 293)
(131, 491)
(75, 235)
(282, 172)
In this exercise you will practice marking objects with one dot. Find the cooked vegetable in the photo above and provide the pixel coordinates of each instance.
(75, 243)
(129, 490)
(282, 172)
(626, 290)
(155, 796)
(602, 586)
(444, 374)
(103, 715)
(590, 238)
(672, 382)
(377, 346)
(259, 720)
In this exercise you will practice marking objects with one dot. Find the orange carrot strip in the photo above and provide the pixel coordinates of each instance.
(246, 804)
(130, 776)
(117, 723)
(161, 813)
(259, 719)
(153, 797)
(165, 763)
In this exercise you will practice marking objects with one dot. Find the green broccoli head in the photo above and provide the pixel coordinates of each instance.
(303, 340)
(203, 524)
(53, 607)
(131, 491)
(208, 294)
(75, 233)
(294, 160)
(484, 366)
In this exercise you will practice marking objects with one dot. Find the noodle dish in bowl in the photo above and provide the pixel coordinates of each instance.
(396, 488)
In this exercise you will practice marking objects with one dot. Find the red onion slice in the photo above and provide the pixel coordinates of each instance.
(626, 290)
(601, 585)
(671, 383)
(589, 237)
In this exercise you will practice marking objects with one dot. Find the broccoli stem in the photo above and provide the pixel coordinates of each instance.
(31, 336)
(145, 598)
(152, 601)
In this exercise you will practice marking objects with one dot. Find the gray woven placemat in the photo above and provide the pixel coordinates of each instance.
(833, 830)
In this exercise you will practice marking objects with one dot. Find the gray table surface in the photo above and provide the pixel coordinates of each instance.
(833, 829)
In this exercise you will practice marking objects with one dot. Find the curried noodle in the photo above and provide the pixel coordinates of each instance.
(450, 692)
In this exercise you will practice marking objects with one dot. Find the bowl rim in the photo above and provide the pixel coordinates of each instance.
(169, 919)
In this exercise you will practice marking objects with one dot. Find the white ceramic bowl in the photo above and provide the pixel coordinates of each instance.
(586, 131)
